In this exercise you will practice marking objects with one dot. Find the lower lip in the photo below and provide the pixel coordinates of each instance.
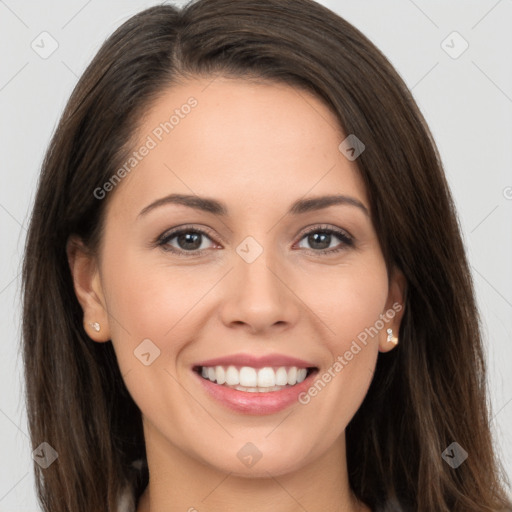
(256, 403)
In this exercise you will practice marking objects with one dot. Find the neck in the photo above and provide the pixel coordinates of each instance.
(180, 482)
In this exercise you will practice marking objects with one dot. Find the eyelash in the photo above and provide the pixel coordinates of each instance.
(163, 240)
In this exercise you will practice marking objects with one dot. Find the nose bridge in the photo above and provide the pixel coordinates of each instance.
(257, 295)
(256, 278)
(257, 283)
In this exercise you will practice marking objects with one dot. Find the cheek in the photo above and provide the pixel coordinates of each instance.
(152, 312)
(349, 303)
(144, 301)
(153, 301)
(348, 299)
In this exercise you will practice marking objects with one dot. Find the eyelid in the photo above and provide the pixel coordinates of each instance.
(313, 228)
(346, 238)
(170, 233)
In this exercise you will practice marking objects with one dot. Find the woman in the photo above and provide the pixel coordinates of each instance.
(244, 282)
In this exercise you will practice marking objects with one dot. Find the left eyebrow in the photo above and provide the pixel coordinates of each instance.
(198, 203)
(218, 208)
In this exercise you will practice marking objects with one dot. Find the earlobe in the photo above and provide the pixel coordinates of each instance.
(394, 311)
(88, 289)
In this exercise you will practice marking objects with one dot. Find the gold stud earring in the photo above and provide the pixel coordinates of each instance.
(391, 338)
(95, 326)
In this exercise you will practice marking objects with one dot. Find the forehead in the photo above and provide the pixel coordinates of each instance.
(234, 139)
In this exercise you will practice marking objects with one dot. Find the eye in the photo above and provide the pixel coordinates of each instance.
(184, 240)
(191, 241)
(321, 238)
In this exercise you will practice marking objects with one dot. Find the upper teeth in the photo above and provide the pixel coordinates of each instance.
(247, 376)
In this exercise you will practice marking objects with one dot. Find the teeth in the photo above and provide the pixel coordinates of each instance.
(301, 374)
(281, 377)
(220, 375)
(266, 378)
(260, 390)
(255, 380)
(232, 377)
(248, 377)
(292, 375)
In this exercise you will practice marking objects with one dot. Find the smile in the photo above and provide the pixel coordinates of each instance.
(254, 384)
(255, 380)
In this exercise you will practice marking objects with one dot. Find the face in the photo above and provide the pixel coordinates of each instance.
(249, 278)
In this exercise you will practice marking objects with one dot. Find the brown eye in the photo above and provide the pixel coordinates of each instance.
(322, 240)
(185, 240)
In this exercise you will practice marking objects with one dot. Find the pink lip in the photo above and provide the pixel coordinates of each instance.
(274, 360)
(256, 403)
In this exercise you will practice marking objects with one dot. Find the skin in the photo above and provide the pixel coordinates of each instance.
(257, 147)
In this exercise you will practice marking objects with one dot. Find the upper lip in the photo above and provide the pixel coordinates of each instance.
(275, 360)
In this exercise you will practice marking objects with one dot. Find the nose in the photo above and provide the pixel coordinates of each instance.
(258, 297)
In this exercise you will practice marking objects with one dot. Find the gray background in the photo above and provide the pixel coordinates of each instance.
(467, 102)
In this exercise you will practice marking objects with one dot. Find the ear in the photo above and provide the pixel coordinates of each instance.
(88, 289)
(393, 311)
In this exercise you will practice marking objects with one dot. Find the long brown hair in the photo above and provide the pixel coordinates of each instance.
(427, 393)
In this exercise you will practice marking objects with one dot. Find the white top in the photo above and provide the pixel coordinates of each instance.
(126, 502)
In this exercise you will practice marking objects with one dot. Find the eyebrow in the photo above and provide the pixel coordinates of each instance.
(218, 208)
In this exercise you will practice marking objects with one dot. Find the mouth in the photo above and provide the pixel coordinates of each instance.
(255, 384)
(255, 380)
(255, 391)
